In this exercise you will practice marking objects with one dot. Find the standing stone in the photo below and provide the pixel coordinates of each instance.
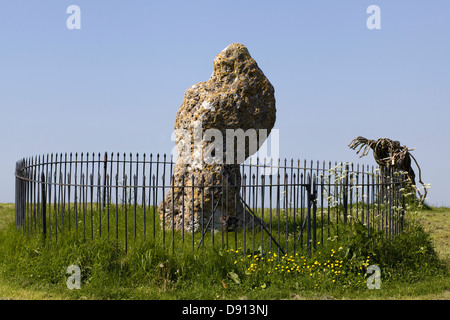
(237, 96)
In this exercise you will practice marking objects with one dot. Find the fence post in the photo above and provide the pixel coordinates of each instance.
(308, 215)
(314, 205)
(105, 160)
(345, 200)
(44, 206)
(18, 201)
(22, 196)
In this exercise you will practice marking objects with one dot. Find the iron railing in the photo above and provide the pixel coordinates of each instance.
(296, 204)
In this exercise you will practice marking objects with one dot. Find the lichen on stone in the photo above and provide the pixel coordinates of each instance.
(237, 96)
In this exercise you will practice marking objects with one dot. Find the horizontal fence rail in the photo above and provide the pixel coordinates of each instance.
(287, 206)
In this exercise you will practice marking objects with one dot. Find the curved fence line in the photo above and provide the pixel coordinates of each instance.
(290, 206)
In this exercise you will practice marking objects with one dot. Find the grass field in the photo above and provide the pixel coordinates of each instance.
(414, 266)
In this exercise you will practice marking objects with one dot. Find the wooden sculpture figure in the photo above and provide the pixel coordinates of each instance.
(389, 153)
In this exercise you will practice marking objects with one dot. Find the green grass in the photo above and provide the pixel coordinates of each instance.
(413, 265)
(128, 223)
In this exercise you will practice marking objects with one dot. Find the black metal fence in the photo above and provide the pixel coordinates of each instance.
(296, 204)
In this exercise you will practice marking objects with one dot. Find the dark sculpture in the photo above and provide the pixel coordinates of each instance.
(389, 153)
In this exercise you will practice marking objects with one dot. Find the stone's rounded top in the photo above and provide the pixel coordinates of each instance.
(232, 61)
(237, 96)
(234, 50)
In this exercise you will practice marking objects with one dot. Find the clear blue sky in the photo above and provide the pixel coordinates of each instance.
(116, 84)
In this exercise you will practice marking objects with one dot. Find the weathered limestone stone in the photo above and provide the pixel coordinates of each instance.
(237, 96)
